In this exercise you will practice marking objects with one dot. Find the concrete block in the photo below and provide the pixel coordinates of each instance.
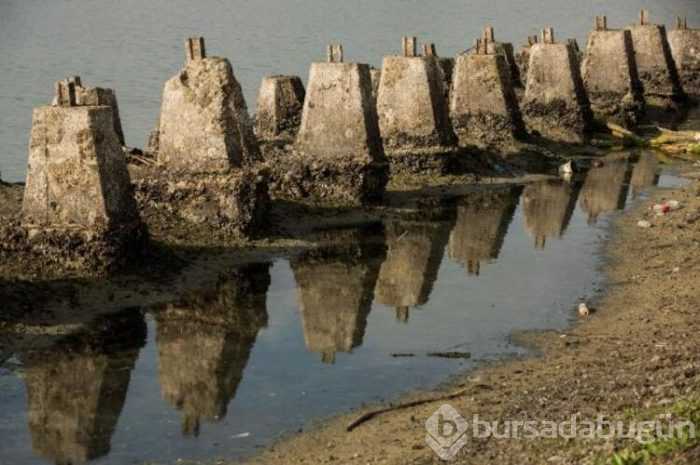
(685, 49)
(610, 76)
(522, 61)
(482, 222)
(204, 122)
(413, 116)
(279, 105)
(204, 342)
(335, 289)
(375, 75)
(483, 105)
(655, 65)
(72, 92)
(338, 155)
(78, 180)
(548, 207)
(414, 254)
(505, 49)
(555, 102)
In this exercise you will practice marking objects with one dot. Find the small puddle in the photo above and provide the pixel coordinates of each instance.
(268, 348)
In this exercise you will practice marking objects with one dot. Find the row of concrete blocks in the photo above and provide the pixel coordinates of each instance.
(78, 178)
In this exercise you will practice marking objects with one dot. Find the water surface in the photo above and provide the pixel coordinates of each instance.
(264, 349)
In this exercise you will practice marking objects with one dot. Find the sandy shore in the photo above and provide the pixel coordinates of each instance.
(637, 355)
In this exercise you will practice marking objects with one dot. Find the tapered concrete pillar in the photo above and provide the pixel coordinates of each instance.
(204, 124)
(555, 102)
(655, 65)
(339, 156)
(208, 180)
(482, 222)
(505, 49)
(548, 207)
(685, 48)
(78, 182)
(279, 105)
(610, 76)
(522, 60)
(483, 105)
(413, 116)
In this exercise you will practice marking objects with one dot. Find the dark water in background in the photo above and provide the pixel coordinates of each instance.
(267, 348)
(134, 46)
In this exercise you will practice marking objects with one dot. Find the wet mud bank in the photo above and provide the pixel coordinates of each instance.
(635, 356)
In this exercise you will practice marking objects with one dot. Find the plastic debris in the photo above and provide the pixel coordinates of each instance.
(644, 224)
(583, 309)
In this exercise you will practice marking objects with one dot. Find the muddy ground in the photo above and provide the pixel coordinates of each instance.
(635, 356)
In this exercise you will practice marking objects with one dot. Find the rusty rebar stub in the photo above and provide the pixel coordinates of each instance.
(334, 53)
(195, 48)
(408, 46)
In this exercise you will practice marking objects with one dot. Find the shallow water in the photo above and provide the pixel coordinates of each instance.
(267, 348)
(135, 46)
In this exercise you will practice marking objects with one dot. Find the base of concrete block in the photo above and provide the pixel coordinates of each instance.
(557, 121)
(346, 182)
(226, 206)
(622, 109)
(439, 160)
(489, 128)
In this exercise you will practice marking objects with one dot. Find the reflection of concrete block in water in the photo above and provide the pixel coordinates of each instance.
(555, 102)
(483, 106)
(610, 76)
(335, 290)
(655, 64)
(414, 253)
(548, 207)
(279, 105)
(482, 222)
(204, 342)
(78, 180)
(77, 387)
(605, 188)
(645, 172)
(204, 124)
(685, 49)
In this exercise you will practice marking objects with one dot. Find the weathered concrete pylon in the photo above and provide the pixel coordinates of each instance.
(685, 48)
(555, 102)
(482, 222)
(96, 96)
(655, 65)
(414, 253)
(446, 65)
(78, 181)
(279, 105)
(335, 288)
(413, 115)
(522, 61)
(205, 133)
(502, 48)
(483, 105)
(204, 124)
(615, 91)
(338, 155)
